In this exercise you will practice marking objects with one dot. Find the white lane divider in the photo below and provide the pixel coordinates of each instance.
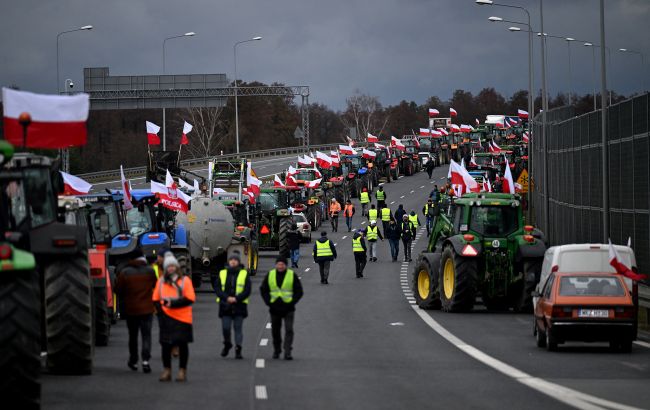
(344, 236)
(421, 186)
(363, 222)
(264, 342)
(268, 325)
(644, 344)
(259, 363)
(401, 197)
(392, 202)
(260, 393)
(558, 392)
(412, 191)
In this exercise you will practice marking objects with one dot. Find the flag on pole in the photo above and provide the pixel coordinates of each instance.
(73, 185)
(526, 137)
(522, 114)
(350, 141)
(465, 128)
(620, 267)
(477, 122)
(425, 132)
(372, 138)
(433, 112)
(452, 112)
(187, 128)
(152, 133)
(336, 160)
(278, 182)
(126, 187)
(252, 181)
(454, 128)
(508, 184)
(443, 131)
(304, 161)
(292, 170)
(57, 121)
(324, 161)
(461, 178)
(396, 143)
(496, 147)
(367, 154)
(346, 150)
(379, 146)
(313, 184)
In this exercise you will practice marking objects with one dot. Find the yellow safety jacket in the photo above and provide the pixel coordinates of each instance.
(323, 249)
(385, 214)
(413, 219)
(381, 195)
(372, 234)
(240, 284)
(356, 245)
(285, 291)
(364, 198)
(372, 214)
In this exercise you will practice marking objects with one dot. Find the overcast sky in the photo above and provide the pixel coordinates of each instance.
(395, 49)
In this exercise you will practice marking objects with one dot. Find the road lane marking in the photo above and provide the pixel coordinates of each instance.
(307, 269)
(644, 344)
(344, 236)
(260, 393)
(401, 197)
(363, 222)
(268, 325)
(412, 191)
(392, 202)
(563, 394)
(259, 363)
(264, 342)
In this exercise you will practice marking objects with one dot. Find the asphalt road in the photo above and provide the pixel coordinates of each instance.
(362, 343)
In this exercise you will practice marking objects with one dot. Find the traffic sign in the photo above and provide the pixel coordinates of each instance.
(523, 180)
(298, 134)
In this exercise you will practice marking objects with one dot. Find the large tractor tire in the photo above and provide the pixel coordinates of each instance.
(532, 270)
(313, 217)
(283, 236)
(339, 194)
(458, 280)
(20, 336)
(253, 258)
(102, 316)
(425, 285)
(69, 315)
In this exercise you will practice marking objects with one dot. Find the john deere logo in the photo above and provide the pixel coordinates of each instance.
(496, 243)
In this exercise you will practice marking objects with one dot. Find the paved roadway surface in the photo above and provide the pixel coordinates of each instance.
(362, 343)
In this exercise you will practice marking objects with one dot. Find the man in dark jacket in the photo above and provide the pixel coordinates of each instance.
(430, 165)
(393, 235)
(408, 233)
(135, 284)
(281, 290)
(324, 253)
(359, 250)
(399, 214)
(295, 237)
(233, 287)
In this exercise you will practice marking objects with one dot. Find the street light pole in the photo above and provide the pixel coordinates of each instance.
(603, 123)
(544, 111)
(568, 46)
(625, 50)
(593, 70)
(234, 51)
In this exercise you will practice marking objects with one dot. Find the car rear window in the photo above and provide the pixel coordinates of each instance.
(299, 218)
(590, 286)
(588, 260)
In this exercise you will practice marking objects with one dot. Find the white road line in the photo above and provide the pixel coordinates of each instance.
(644, 344)
(259, 363)
(264, 342)
(307, 269)
(401, 197)
(392, 202)
(363, 222)
(268, 325)
(344, 236)
(400, 177)
(431, 182)
(260, 393)
(412, 302)
(563, 394)
(335, 243)
(412, 191)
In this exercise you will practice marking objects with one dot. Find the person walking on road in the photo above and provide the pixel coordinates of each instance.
(373, 234)
(281, 290)
(435, 194)
(324, 253)
(381, 197)
(135, 284)
(360, 252)
(233, 288)
(295, 238)
(364, 199)
(385, 218)
(408, 233)
(392, 233)
(399, 214)
(348, 212)
(174, 296)
(429, 167)
(415, 221)
(373, 213)
(429, 211)
(335, 210)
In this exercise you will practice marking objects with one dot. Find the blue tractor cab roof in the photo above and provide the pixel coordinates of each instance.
(101, 197)
(137, 194)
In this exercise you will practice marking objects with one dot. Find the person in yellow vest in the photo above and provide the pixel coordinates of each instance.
(381, 197)
(281, 290)
(373, 213)
(359, 250)
(324, 253)
(364, 199)
(385, 218)
(233, 288)
(373, 234)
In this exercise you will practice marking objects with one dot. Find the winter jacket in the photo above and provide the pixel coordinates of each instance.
(318, 259)
(236, 309)
(408, 232)
(392, 231)
(295, 238)
(135, 285)
(399, 213)
(279, 308)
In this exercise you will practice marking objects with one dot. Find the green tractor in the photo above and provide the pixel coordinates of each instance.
(480, 247)
(274, 220)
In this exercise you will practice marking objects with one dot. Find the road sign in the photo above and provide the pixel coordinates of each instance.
(523, 181)
(298, 134)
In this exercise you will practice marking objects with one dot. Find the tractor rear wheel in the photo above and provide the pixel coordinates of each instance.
(425, 286)
(102, 316)
(532, 270)
(312, 217)
(458, 277)
(339, 194)
(69, 315)
(20, 335)
(283, 236)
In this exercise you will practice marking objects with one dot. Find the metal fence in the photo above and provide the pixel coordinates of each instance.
(575, 200)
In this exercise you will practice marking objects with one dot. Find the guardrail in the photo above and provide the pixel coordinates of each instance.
(197, 162)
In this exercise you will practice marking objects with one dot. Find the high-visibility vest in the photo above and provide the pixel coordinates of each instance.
(385, 214)
(372, 214)
(156, 270)
(182, 289)
(364, 198)
(285, 291)
(349, 209)
(356, 245)
(240, 283)
(427, 208)
(413, 219)
(323, 248)
(381, 195)
(372, 233)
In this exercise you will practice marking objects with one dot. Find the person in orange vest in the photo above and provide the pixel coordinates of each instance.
(173, 298)
(348, 212)
(335, 210)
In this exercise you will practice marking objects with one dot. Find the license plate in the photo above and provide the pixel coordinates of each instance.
(593, 313)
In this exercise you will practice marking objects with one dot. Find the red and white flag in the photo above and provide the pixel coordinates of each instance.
(152, 133)
(620, 267)
(433, 112)
(526, 137)
(508, 185)
(396, 143)
(250, 195)
(379, 146)
(372, 138)
(324, 161)
(170, 196)
(452, 112)
(472, 160)
(292, 170)
(443, 131)
(454, 128)
(461, 178)
(496, 147)
(336, 161)
(187, 128)
(313, 184)
(126, 188)
(477, 122)
(346, 150)
(425, 132)
(436, 133)
(465, 128)
(317, 172)
(522, 114)
(304, 161)
(57, 121)
(487, 185)
(277, 181)
(367, 154)
(350, 141)
(252, 181)
(73, 185)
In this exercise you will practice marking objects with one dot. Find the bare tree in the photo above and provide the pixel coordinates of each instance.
(364, 112)
(206, 137)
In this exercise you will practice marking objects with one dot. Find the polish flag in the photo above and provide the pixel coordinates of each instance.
(372, 138)
(126, 188)
(336, 161)
(170, 196)
(313, 184)
(278, 182)
(304, 161)
(453, 112)
(291, 170)
(472, 160)
(73, 185)
(436, 134)
(508, 185)
(367, 154)
(396, 143)
(460, 177)
(443, 131)
(152, 133)
(522, 114)
(346, 150)
(425, 132)
(454, 128)
(57, 121)
(379, 146)
(324, 161)
(477, 122)
(487, 186)
(433, 112)
(289, 180)
(496, 147)
(526, 137)
(350, 141)
(187, 128)
(512, 121)
(465, 128)
(251, 180)
(499, 124)
(620, 267)
(250, 195)
(317, 172)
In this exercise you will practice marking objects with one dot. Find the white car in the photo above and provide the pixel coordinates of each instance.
(303, 225)
(424, 157)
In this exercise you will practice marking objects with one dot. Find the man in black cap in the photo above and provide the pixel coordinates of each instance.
(281, 290)
(324, 253)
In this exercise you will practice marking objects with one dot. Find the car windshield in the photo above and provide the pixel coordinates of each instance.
(113, 220)
(304, 175)
(483, 160)
(591, 286)
(138, 221)
(493, 220)
(425, 144)
(270, 201)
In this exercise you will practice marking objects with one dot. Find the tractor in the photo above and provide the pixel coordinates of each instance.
(382, 164)
(275, 220)
(480, 247)
(359, 175)
(309, 198)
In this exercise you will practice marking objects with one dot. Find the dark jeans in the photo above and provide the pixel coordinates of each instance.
(324, 268)
(429, 224)
(227, 322)
(381, 204)
(394, 248)
(407, 248)
(139, 324)
(335, 223)
(295, 257)
(360, 262)
(276, 331)
(183, 351)
(348, 222)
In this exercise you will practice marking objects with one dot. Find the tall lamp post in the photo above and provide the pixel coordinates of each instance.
(593, 69)
(164, 127)
(234, 51)
(625, 50)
